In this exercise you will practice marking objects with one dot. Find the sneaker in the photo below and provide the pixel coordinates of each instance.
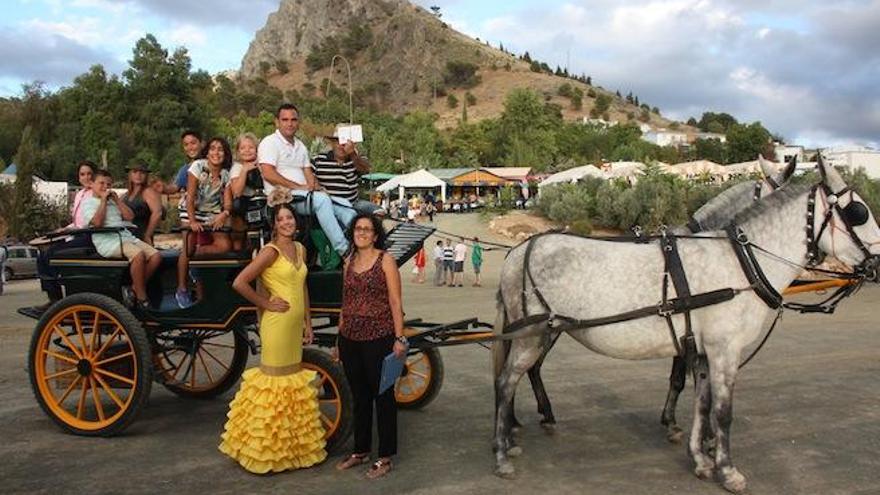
(182, 298)
(128, 296)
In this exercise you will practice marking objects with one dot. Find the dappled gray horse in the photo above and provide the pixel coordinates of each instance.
(571, 283)
(715, 214)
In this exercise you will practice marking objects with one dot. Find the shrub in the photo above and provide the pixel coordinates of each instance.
(282, 66)
(461, 75)
(451, 101)
(470, 99)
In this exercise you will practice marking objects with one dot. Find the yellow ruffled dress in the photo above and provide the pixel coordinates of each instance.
(274, 422)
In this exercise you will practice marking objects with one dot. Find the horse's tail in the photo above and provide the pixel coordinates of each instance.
(500, 348)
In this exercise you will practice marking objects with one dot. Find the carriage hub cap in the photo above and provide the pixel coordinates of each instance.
(84, 367)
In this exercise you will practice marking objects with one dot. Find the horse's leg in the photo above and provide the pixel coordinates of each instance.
(544, 408)
(723, 378)
(704, 466)
(522, 356)
(677, 378)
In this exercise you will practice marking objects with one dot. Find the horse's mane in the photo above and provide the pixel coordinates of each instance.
(718, 211)
(773, 201)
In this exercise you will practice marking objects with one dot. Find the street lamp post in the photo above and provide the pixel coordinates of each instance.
(330, 79)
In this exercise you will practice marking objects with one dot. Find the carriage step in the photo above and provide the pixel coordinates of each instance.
(405, 240)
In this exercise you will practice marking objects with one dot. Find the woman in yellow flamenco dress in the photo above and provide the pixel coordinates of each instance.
(274, 422)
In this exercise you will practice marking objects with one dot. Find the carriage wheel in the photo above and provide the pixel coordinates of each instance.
(89, 365)
(421, 379)
(200, 363)
(334, 397)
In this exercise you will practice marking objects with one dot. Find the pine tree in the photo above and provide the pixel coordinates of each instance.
(25, 161)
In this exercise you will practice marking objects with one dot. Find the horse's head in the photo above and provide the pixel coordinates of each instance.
(843, 226)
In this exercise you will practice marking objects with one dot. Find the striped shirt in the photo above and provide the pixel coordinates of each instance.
(448, 253)
(339, 179)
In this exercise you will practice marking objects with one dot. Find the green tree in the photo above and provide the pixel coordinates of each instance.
(451, 101)
(746, 142)
(460, 74)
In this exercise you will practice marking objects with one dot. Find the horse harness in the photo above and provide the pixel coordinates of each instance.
(854, 214)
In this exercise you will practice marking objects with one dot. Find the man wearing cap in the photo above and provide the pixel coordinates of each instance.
(284, 162)
(338, 171)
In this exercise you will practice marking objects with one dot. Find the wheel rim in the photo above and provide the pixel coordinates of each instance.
(86, 367)
(329, 400)
(414, 380)
(195, 359)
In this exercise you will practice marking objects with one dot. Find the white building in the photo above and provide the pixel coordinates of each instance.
(855, 157)
(666, 138)
(785, 152)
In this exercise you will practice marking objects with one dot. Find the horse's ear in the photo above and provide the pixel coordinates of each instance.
(829, 176)
(788, 171)
(767, 168)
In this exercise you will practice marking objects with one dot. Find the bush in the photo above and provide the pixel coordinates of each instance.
(282, 66)
(451, 101)
(41, 214)
(470, 99)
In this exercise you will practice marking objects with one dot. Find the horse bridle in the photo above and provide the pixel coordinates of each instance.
(854, 214)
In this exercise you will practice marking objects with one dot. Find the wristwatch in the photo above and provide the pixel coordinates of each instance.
(402, 339)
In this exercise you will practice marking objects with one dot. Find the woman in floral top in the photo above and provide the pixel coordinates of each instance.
(208, 207)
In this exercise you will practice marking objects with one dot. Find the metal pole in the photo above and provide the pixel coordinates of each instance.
(330, 79)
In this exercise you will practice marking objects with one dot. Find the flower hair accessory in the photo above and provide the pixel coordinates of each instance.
(279, 196)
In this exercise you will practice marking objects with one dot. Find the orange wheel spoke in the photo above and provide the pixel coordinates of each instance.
(93, 341)
(82, 399)
(77, 324)
(114, 358)
(413, 372)
(421, 357)
(107, 344)
(62, 357)
(115, 376)
(60, 373)
(178, 367)
(69, 390)
(97, 398)
(109, 391)
(328, 401)
(207, 371)
(326, 421)
(68, 342)
(210, 355)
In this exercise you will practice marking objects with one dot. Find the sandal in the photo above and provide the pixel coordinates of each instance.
(352, 461)
(379, 468)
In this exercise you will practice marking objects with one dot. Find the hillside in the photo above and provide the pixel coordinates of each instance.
(399, 54)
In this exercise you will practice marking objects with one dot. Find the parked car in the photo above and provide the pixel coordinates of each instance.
(21, 261)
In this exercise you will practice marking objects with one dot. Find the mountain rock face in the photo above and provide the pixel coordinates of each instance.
(399, 54)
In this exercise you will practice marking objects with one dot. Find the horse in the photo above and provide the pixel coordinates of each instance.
(589, 287)
(715, 214)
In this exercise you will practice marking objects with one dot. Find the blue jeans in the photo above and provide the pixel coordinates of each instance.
(331, 214)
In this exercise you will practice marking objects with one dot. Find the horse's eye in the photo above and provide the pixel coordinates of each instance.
(855, 213)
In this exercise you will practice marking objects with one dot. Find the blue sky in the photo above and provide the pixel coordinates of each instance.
(807, 69)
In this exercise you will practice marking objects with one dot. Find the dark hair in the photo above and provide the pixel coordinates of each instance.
(86, 163)
(103, 173)
(439, 242)
(286, 106)
(275, 210)
(227, 151)
(190, 132)
(378, 230)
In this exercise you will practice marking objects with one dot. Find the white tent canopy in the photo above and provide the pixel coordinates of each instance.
(572, 175)
(420, 179)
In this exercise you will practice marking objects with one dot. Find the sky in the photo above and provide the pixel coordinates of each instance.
(808, 70)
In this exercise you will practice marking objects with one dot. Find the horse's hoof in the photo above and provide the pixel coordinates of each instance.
(734, 481)
(704, 473)
(675, 435)
(505, 470)
(514, 451)
(549, 427)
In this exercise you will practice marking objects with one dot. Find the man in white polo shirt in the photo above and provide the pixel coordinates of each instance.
(284, 162)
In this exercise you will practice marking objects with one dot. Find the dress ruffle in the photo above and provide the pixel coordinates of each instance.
(274, 423)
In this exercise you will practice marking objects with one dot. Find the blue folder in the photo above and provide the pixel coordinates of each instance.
(392, 367)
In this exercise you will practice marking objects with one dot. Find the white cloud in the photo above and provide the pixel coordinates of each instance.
(85, 30)
(187, 35)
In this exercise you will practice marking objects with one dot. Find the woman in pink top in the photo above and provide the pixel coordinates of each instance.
(85, 172)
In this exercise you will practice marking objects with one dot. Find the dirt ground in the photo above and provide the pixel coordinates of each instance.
(806, 418)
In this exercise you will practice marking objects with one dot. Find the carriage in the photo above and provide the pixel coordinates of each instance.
(93, 357)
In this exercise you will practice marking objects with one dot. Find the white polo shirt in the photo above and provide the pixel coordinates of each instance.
(289, 159)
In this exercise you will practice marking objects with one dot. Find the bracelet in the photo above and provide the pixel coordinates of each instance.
(402, 339)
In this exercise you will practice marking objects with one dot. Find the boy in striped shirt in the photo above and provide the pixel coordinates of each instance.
(339, 170)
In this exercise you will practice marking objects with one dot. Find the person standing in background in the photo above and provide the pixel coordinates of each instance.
(448, 257)
(477, 260)
(438, 264)
(458, 256)
(419, 269)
